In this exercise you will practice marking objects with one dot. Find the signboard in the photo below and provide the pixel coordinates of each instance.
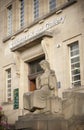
(16, 98)
(30, 34)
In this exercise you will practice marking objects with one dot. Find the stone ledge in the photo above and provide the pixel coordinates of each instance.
(32, 41)
(50, 122)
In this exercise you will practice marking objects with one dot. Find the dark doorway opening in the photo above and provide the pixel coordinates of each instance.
(35, 70)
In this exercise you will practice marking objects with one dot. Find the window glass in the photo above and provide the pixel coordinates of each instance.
(36, 9)
(21, 13)
(8, 84)
(75, 63)
(75, 59)
(35, 67)
(75, 52)
(52, 4)
(9, 20)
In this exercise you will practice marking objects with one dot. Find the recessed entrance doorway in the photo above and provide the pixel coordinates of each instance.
(34, 71)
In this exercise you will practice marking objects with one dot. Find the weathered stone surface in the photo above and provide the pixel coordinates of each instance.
(55, 113)
(50, 122)
(41, 122)
(64, 114)
(45, 92)
(73, 103)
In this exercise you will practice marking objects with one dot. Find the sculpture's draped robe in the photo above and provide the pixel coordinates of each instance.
(46, 86)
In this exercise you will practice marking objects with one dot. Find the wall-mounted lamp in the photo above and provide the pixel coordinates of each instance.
(58, 45)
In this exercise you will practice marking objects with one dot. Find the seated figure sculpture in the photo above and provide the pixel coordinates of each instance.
(46, 86)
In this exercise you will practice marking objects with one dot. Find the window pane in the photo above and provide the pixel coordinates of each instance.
(76, 65)
(76, 71)
(75, 59)
(9, 94)
(77, 83)
(75, 78)
(32, 69)
(9, 81)
(22, 13)
(9, 90)
(36, 8)
(74, 46)
(35, 67)
(74, 52)
(9, 74)
(9, 20)
(52, 4)
(9, 85)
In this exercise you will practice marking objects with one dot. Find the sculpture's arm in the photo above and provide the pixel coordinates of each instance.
(52, 81)
(38, 83)
(53, 85)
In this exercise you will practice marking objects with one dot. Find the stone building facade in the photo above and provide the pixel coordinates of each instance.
(32, 30)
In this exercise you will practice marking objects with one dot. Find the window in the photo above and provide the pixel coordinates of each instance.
(9, 20)
(36, 9)
(75, 63)
(8, 84)
(35, 69)
(52, 4)
(21, 13)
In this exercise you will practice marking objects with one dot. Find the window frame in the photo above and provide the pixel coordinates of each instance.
(35, 67)
(22, 13)
(36, 9)
(32, 76)
(9, 19)
(75, 65)
(8, 93)
(52, 5)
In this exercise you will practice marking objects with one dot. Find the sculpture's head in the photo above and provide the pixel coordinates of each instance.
(44, 64)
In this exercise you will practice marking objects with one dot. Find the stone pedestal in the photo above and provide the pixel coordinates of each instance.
(41, 122)
(49, 122)
(60, 114)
